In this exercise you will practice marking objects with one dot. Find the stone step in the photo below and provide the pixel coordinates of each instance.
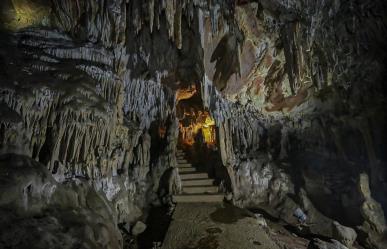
(198, 198)
(184, 165)
(201, 190)
(182, 161)
(199, 182)
(194, 176)
(180, 158)
(187, 170)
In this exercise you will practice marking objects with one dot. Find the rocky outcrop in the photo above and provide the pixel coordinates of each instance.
(38, 212)
(371, 210)
(262, 181)
(345, 235)
(373, 228)
(138, 228)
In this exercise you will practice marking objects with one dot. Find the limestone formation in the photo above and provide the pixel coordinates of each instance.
(345, 235)
(261, 220)
(38, 212)
(138, 228)
(371, 210)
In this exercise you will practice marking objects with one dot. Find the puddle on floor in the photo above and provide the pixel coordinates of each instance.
(228, 214)
(210, 241)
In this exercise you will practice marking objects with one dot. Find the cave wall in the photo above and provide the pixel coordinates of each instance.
(85, 84)
(81, 87)
(296, 89)
(39, 212)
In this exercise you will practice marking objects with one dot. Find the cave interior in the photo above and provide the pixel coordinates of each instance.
(193, 124)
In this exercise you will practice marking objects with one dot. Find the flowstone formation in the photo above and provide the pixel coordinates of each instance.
(93, 93)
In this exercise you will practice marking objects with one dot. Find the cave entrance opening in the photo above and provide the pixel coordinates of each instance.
(198, 137)
(198, 134)
(197, 129)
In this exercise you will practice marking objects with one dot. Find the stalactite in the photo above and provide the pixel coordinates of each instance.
(151, 7)
(178, 32)
(170, 9)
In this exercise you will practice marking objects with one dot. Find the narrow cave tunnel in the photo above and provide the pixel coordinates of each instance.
(179, 124)
(198, 141)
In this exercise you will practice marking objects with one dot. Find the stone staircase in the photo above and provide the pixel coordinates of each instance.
(196, 186)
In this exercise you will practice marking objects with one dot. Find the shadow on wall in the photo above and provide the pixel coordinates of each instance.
(331, 184)
(227, 58)
(157, 226)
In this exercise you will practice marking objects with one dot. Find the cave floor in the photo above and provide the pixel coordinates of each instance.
(215, 226)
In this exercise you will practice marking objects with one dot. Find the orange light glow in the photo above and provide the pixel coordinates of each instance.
(186, 93)
(27, 13)
(162, 131)
(200, 126)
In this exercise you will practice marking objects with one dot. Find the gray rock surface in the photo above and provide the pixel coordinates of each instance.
(371, 210)
(46, 214)
(345, 235)
(138, 228)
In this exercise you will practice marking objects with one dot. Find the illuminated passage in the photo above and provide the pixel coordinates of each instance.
(197, 126)
(24, 13)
